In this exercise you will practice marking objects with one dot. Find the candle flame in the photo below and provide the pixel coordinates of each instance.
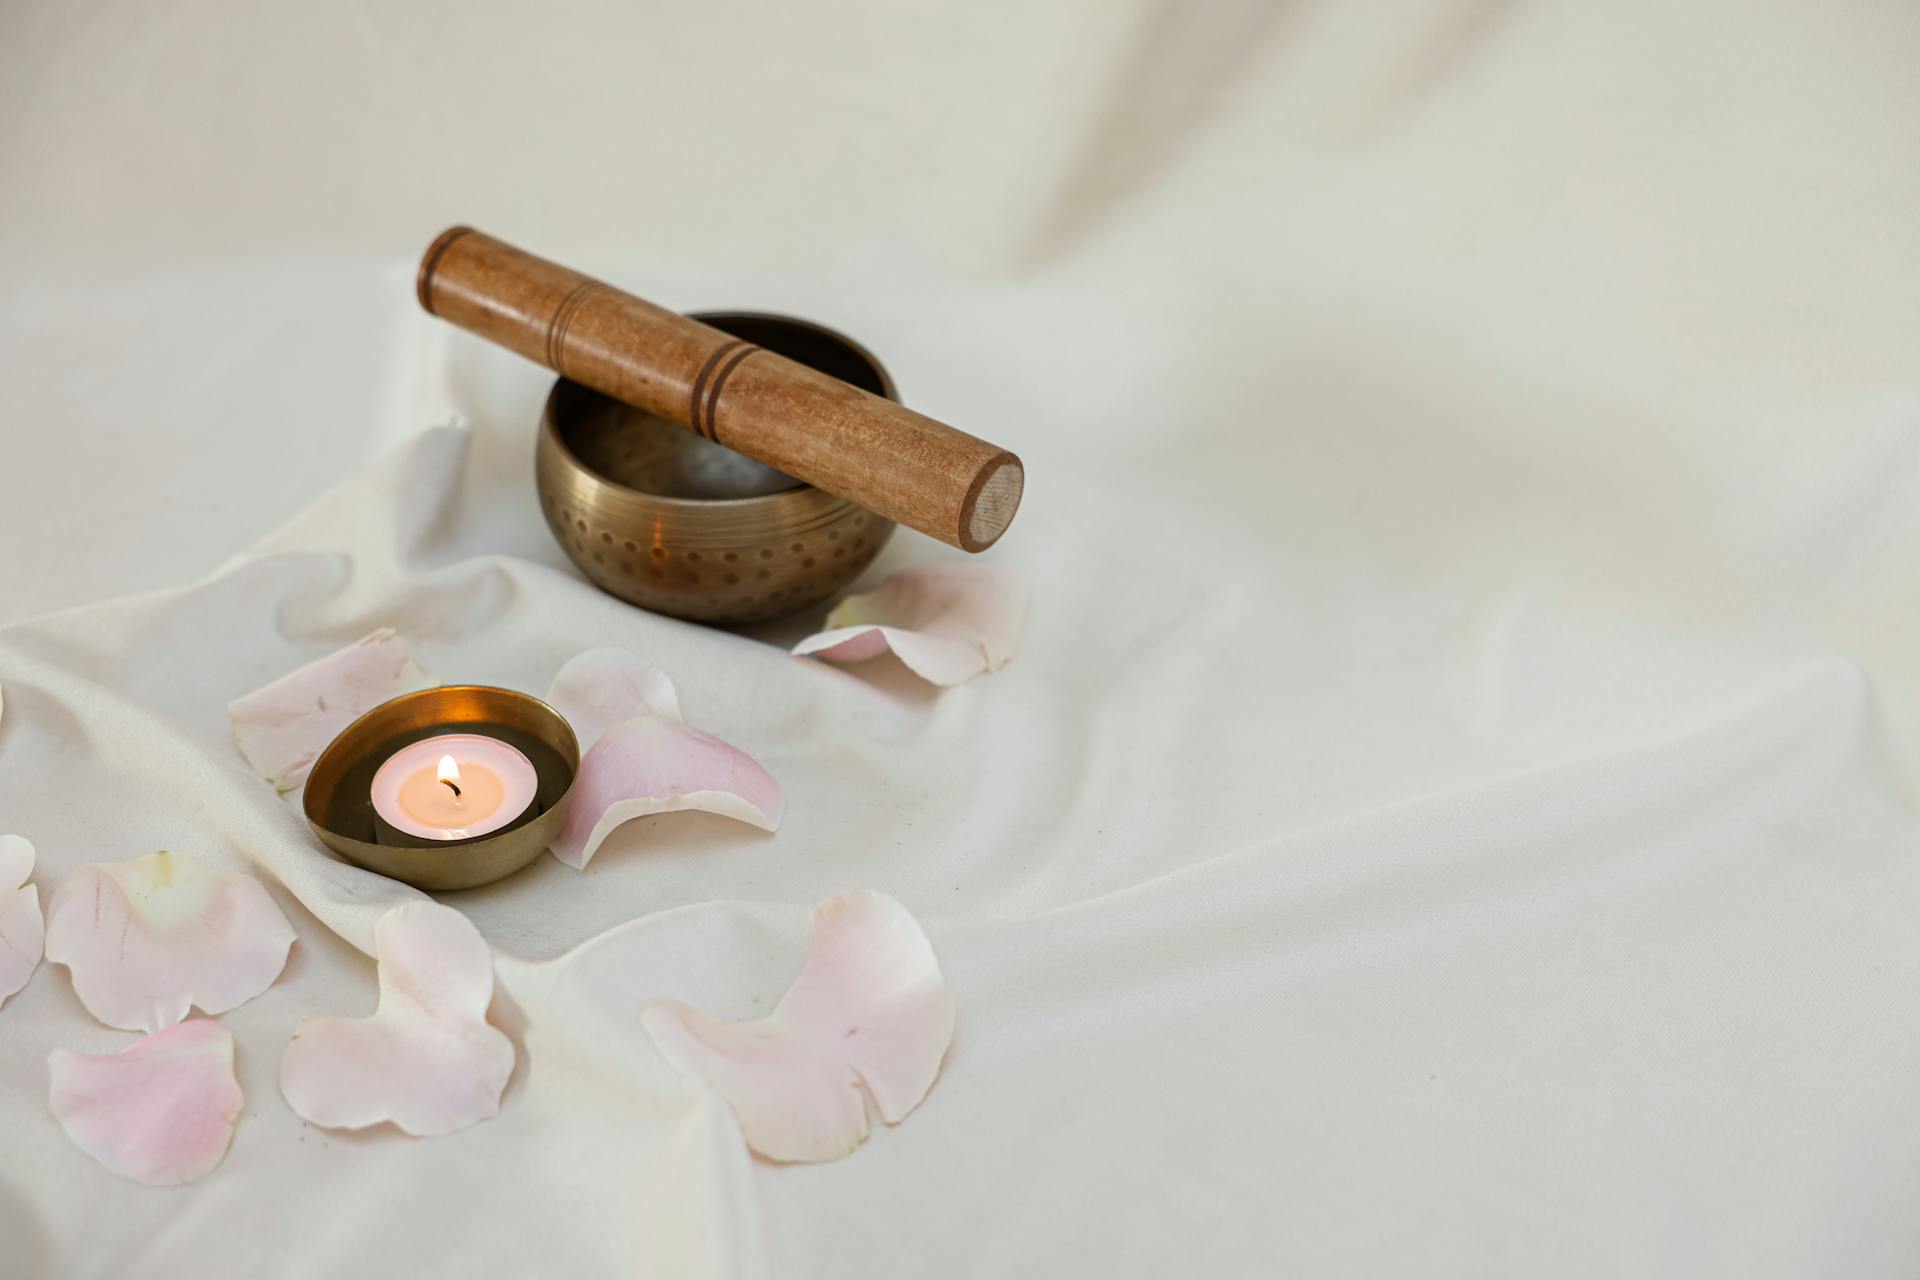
(450, 773)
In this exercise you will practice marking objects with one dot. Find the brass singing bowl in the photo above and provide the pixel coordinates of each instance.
(673, 522)
(339, 798)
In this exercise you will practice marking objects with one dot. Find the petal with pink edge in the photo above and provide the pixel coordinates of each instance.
(869, 1012)
(650, 764)
(160, 1112)
(602, 687)
(149, 938)
(22, 928)
(282, 729)
(428, 1061)
(946, 622)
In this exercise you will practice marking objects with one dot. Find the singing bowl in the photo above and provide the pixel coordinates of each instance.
(678, 524)
(339, 802)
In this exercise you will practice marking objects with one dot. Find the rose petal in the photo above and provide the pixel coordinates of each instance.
(283, 728)
(427, 1060)
(870, 1008)
(650, 764)
(149, 938)
(22, 929)
(946, 622)
(160, 1111)
(640, 758)
(602, 687)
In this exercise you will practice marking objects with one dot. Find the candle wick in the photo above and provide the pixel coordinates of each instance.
(454, 786)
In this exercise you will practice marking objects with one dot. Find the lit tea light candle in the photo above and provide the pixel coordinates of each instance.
(454, 787)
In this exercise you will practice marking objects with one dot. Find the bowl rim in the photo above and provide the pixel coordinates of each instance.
(799, 491)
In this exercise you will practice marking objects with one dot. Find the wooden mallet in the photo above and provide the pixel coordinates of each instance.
(901, 464)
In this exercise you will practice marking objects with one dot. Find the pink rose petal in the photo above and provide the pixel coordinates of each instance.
(640, 758)
(159, 1112)
(602, 687)
(946, 622)
(149, 938)
(869, 1008)
(650, 764)
(427, 1060)
(22, 929)
(283, 728)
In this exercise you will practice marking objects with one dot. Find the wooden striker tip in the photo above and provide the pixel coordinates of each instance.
(992, 502)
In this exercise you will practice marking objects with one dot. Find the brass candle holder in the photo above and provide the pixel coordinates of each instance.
(339, 800)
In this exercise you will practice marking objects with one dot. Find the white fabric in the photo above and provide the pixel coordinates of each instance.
(1452, 813)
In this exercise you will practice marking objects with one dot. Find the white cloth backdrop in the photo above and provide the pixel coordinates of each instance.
(1453, 813)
